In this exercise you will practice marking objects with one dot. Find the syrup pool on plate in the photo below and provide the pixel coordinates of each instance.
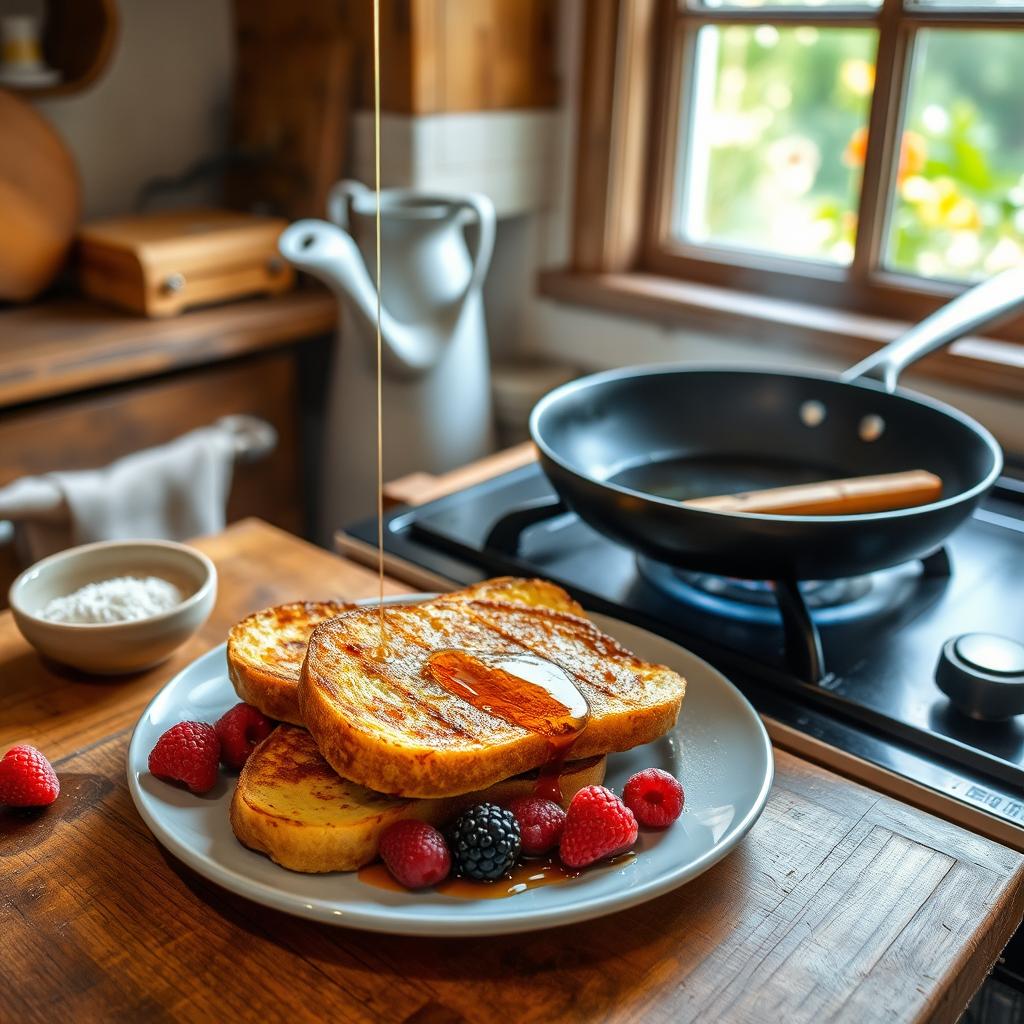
(526, 875)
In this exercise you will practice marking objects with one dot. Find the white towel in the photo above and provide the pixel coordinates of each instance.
(171, 492)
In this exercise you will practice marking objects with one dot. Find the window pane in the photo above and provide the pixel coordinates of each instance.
(959, 207)
(846, 5)
(970, 6)
(777, 121)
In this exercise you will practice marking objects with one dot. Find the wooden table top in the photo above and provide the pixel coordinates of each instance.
(841, 904)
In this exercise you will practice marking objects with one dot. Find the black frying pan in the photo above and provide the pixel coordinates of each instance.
(623, 448)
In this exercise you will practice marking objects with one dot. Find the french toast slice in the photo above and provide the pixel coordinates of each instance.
(265, 652)
(388, 725)
(266, 649)
(291, 805)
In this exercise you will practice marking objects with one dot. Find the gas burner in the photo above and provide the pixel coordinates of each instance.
(829, 601)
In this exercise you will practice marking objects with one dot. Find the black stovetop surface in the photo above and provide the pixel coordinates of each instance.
(877, 700)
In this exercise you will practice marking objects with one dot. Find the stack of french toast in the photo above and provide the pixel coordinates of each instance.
(368, 738)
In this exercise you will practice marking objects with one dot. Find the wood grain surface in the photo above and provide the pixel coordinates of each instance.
(67, 345)
(290, 105)
(840, 905)
(419, 488)
(442, 56)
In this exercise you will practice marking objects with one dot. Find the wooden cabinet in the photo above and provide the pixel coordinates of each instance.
(81, 385)
(94, 429)
(443, 56)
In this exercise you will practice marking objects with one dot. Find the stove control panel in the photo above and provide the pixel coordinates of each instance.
(983, 675)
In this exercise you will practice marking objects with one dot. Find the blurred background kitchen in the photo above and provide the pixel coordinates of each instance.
(749, 182)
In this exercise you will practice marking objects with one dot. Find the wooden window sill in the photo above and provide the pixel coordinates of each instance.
(986, 364)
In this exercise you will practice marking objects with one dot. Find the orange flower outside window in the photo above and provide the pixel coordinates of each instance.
(913, 153)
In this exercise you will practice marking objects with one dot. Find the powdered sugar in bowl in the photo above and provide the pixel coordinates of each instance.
(116, 606)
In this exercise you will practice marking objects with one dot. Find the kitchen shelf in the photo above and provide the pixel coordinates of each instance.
(69, 344)
(78, 41)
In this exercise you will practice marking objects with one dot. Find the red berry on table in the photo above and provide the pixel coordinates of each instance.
(239, 731)
(27, 779)
(189, 753)
(597, 825)
(654, 797)
(540, 823)
(415, 853)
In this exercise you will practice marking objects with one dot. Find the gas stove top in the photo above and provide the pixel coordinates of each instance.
(844, 668)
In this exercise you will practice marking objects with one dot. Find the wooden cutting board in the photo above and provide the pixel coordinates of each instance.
(40, 199)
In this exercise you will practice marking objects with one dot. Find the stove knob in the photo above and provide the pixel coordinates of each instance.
(983, 675)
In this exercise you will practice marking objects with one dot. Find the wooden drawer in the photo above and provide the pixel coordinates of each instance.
(92, 430)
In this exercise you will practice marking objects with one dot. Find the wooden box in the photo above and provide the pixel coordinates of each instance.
(158, 264)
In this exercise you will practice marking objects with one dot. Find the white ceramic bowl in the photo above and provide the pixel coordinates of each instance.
(114, 648)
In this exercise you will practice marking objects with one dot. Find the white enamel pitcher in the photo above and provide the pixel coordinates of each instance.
(437, 392)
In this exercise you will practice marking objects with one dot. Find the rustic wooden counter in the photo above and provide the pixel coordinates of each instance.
(841, 904)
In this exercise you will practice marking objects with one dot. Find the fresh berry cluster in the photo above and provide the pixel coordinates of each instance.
(189, 753)
(485, 841)
(27, 778)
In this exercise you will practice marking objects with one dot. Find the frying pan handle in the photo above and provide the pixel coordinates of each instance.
(977, 307)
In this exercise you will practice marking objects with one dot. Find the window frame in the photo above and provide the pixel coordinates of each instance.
(633, 58)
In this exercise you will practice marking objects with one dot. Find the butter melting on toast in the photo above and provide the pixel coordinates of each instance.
(385, 723)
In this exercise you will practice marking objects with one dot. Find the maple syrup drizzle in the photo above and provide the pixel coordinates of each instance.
(382, 648)
(526, 875)
(524, 690)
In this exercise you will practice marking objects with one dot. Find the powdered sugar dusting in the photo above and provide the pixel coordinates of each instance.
(121, 599)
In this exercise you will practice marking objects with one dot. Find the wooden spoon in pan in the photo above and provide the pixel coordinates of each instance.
(878, 493)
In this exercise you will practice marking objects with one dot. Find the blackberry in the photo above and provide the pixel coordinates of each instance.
(485, 842)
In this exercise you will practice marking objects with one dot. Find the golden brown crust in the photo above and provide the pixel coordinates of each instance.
(290, 805)
(386, 725)
(265, 653)
(534, 593)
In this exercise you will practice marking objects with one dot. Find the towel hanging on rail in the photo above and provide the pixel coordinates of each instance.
(171, 492)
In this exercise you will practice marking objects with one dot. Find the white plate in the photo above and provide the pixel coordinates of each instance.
(719, 751)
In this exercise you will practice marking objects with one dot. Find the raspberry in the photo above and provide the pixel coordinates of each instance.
(239, 730)
(597, 825)
(415, 854)
(540, 822)
(188, 752)
(485, 842)
(27, 779)
(654, 797)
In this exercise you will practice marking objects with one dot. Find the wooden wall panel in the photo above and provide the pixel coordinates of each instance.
(457, 55)
(290, 106)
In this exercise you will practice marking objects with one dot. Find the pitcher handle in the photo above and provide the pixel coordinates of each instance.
(338, 199)
(482, 210)
(975, 308)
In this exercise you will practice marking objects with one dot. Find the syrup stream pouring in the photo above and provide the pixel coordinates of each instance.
(382, 649)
